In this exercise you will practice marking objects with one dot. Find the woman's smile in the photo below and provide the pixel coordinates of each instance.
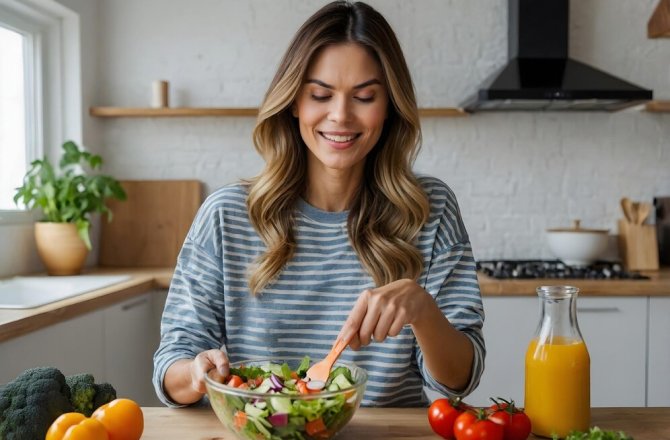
(339, 140)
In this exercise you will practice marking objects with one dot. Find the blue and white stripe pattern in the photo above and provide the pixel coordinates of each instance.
(301, 313)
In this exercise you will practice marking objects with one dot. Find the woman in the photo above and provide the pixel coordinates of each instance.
(336, 236)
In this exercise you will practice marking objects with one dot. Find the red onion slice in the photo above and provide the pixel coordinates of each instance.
(277, 383)
(278, 419)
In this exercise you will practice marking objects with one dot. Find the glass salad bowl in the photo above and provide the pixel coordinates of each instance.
(267, 399)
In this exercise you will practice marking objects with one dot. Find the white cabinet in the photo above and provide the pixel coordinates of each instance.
(131, 335)
(614, 329)
(509, 325)
(658, 384)
(127, 335)
(116, 344)
(73, 346)
(615, 332)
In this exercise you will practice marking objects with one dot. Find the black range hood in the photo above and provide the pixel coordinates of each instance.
(540, 76)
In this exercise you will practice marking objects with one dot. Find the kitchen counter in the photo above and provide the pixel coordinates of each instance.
(15, 323)
(391, 423)
(658, 284)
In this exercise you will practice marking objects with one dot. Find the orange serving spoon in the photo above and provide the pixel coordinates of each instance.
(317, 375)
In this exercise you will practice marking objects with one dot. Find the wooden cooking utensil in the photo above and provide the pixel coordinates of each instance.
(643, 210)
(627, 207)
(637, 241)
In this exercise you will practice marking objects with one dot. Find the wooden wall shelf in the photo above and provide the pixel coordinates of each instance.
(127, 112)
(658, 106)
(442, 112)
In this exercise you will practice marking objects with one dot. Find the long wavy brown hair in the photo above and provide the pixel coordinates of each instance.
(390, 207)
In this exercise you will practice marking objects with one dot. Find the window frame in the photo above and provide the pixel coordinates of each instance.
(52, 77)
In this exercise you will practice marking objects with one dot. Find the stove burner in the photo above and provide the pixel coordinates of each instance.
(530, 269)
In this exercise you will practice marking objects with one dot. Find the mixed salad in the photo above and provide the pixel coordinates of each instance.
(281, 415)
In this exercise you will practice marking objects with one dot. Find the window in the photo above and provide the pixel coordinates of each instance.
(13, 158)
(40, 90)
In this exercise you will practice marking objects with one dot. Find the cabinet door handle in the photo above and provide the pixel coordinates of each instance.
(134, 304)
(598, 309)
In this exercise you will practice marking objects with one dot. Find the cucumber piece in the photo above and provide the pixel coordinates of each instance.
(281, 405)
(265, 386)
(252, 411)
(342, 381)
(261, 428)
(276, 369)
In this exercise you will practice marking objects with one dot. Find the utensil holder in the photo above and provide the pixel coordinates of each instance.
(638, 246)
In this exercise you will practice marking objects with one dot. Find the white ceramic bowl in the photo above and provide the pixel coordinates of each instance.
(577, 246)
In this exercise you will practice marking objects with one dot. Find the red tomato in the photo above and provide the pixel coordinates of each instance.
(234, 381)
(498, 405)
(475, 426)
(515, 423)
(441, 415)
(315, 426)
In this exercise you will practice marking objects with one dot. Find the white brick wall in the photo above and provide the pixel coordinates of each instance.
(514, 173)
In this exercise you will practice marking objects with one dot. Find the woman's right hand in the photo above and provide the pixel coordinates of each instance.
(205, 361)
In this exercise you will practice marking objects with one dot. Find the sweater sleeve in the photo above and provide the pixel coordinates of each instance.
(192, 320)
(459, 300)
(451, 280)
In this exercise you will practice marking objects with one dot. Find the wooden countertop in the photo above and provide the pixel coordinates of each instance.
(657, 285)
(390, 423)
(17, 322)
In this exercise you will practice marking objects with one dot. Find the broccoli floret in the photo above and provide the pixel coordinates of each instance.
(31, 402)
(104, 393)
(82, 389)
(87, 395)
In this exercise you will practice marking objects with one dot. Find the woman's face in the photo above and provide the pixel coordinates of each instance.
(341, 107)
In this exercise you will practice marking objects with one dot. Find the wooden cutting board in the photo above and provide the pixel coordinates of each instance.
(148, 229)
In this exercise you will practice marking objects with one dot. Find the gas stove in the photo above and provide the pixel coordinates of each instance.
(529, 269)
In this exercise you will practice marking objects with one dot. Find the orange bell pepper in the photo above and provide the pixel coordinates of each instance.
(76, 426)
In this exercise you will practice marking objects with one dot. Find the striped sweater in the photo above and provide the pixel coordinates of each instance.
(301, 312)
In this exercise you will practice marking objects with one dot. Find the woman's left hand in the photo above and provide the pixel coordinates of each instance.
(384, 311)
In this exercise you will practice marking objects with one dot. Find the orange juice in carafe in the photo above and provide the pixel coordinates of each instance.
(557, 388)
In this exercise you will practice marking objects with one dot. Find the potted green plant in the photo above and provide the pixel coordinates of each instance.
(66, 196)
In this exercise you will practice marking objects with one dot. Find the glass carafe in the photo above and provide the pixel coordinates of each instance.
(558, 367)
